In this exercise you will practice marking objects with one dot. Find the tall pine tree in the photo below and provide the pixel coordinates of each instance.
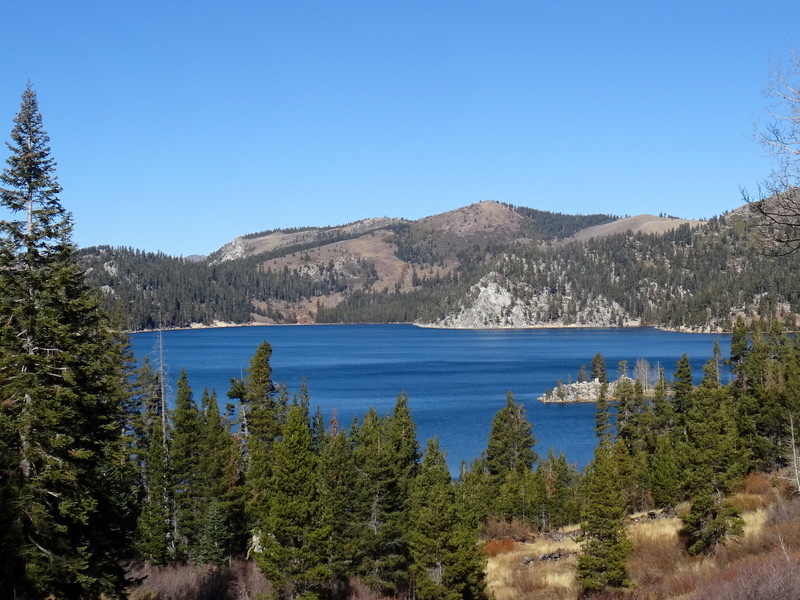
(61, 400)
(293, 535)
(601, 563)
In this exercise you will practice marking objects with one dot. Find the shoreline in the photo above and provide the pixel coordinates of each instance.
(223, 325)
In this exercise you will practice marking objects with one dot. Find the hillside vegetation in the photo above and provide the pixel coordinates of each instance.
(486, 265)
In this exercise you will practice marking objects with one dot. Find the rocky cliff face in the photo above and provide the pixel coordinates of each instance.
(492, 305)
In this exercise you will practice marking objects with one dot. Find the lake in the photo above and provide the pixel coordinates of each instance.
(456, 380)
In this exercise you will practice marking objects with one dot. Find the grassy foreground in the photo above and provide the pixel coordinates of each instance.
(761, 565)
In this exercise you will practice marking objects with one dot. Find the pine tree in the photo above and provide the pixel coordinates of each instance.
(439, 542)
(511, 442)
(559, 503)
(155, 542)
(214, 537)
(715, 460)
(475, 493)
(601, 563)
(386, 454)
(664, 478)
(61, 386)
(291, 531)
(739, 346)
(185, 468)
(598, 368)
(219, 483)
(663, 412)
(602, 419)
(337, 486)
(265, 416)
(682, 393)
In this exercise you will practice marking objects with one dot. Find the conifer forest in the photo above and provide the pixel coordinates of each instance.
(107, 491)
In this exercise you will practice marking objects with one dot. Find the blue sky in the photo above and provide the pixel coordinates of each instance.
(179, 125)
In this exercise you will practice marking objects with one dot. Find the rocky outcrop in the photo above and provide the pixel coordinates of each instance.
(231, 251)
(581, 391)
(492, 305)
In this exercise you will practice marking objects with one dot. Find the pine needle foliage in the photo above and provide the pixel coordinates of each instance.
(601, 564)
(62, 392)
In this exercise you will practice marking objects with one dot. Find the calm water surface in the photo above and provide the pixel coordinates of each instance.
(456, 380)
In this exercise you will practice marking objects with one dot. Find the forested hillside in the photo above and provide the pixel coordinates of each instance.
(486, 265)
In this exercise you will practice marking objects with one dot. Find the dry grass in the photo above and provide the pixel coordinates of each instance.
(509, 578)
(749, 502)
(659, 564)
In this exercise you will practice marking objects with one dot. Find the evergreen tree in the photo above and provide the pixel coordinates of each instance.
(155, 542)
(602, 417)
(682, 393)
(739, 345)
(598, 368)
(511, 442)
(292, 535)
(214, 536)
(601, 563)
(219, 485)
(475, 493)
(664, 478)
(371, 462)
(715, 461)
(559, 502)
(187, 435)
(265, 414)
(447, 562)
(663, 412)
(624, 421)
(337, 486)
(61, 383)
(386, 457)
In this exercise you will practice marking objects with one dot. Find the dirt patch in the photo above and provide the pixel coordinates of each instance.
(637, 224)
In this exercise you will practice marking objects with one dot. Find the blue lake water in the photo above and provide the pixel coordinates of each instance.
(456, 380)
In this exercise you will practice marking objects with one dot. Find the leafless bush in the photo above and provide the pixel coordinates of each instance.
(498, 528)
(784, 510)
(176, 582)
(361, 591)
(247, 582)
(241, 580)
(762, 578)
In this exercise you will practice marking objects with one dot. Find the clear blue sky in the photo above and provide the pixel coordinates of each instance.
(179, 125)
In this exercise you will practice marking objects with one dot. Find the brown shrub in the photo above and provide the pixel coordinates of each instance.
(241, 580)
(499, 528)
(757, 484)
(247, 581)
(361, 591)
(767, 577)
(495, 547)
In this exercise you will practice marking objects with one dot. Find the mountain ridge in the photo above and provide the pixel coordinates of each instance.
(487, 264)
